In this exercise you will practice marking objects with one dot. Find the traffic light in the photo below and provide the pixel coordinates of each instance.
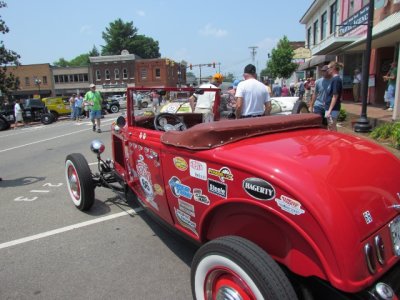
(190, 66)
(214, 65)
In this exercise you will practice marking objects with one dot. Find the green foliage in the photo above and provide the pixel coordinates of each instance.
(229, 77)
(389, 132)
(8, 82)
(342, 115)
(280, 63)
(123, 36)
(94, 52)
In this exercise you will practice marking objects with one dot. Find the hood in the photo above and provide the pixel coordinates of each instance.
(334, 176)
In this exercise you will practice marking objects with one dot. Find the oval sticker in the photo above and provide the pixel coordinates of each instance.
(180, 163)
(259, 188)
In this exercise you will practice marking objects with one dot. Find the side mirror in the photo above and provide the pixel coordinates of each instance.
(121, 121)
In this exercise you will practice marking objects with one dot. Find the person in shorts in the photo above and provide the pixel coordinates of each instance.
(94, 99)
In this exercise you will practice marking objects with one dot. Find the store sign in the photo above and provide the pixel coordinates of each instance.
(360, 18)
(114, 86)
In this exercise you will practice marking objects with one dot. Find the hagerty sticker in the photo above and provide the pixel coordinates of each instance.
(289, 205)
(217, 188)
(198, 169)
(259, 188)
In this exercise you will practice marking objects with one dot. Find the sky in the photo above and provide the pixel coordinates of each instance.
(199, 32)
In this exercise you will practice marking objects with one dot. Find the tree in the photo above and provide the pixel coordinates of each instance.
(123, 36)
(62, 62)
(8, 81)
(280, 63)
(94, 51)
(229, 77)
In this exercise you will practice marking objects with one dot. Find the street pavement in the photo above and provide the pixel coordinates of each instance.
(51, 250)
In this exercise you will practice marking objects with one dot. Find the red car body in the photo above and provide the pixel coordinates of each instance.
(323, 205)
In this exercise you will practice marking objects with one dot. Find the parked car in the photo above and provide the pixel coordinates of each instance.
(58, 106)
(112, 106)
(33, 110)
(281, 207)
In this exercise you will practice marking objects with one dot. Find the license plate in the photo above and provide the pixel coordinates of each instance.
(395, 234)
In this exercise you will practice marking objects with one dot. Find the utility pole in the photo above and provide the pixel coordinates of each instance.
(253, 52)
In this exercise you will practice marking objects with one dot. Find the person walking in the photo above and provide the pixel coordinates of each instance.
(317, 102)
(276, 90)
(18, 113)
(391, 80)
(334, 95)
(78, 107)
(204, 103)
(94, 99)
(252, 98)
(301, 89)
(356, 85)
(72, 106)
(285, 91)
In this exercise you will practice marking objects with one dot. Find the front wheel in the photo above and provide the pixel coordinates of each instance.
(232, 267)
(114, 109)
(79, 181)
(47, 118)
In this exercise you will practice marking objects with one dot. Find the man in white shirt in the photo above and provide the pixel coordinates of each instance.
(204, 103)
(356, 85)
(252, 98)
(18, 113)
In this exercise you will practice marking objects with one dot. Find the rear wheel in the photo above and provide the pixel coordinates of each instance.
(47, 118)
(4, 123)
(55, 115)
(79, 181)
(232, 267)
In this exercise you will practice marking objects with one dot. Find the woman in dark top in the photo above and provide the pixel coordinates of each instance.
(334, 95)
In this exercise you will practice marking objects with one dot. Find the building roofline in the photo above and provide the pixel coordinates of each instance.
(312, 6)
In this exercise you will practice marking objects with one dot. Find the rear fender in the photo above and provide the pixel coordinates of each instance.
(269, 231)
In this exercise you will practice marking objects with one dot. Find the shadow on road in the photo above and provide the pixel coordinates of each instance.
(6, 182)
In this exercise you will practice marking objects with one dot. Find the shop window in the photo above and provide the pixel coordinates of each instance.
(324, 23)
(116, 74)
(351, 8)
(98, 75)
(315, 33)
(107, 74)
(143, 73)
(333, 18)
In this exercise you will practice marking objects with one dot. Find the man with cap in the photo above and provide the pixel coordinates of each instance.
(204, 103)
(252, 98)
(93, 98)
(317, 102)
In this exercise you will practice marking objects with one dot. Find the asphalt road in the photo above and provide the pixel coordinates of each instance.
(51, 250)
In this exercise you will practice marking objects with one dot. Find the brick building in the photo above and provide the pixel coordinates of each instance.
(69, 80)
(34, 80)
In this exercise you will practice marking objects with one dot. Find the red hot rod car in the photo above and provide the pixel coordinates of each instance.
(282, 208)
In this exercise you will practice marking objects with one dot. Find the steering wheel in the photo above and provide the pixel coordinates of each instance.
(168, 122)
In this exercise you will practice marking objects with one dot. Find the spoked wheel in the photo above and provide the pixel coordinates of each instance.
(79, 181)
(47, 118)
(234, 268)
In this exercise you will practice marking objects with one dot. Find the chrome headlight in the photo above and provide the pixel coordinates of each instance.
(97, 146)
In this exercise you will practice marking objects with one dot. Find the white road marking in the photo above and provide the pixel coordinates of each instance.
(68, 228)
(91, 164)
(39, 191)
(22, 198)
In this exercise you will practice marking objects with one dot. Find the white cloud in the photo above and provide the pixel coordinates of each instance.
(141, 13)
(267, 44)
(86, 29)
(209, 30)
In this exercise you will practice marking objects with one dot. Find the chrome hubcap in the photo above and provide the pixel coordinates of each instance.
(227, 293)
(73, 183)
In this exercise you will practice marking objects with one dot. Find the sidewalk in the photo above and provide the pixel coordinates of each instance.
(376, 116)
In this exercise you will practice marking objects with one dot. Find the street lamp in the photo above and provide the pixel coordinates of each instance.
(38, 82)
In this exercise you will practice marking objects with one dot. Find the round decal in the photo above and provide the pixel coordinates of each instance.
(259, 189)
